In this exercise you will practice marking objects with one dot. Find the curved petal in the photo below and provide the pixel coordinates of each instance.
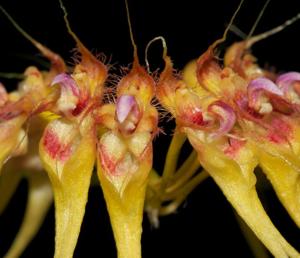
(67, 82)
(256, 88)
(285, 80)
(70, 93)
(226, 116)
(286, 83)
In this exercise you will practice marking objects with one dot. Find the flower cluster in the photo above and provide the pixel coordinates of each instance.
(236, 115)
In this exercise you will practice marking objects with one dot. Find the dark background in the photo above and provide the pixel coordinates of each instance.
(205, 226)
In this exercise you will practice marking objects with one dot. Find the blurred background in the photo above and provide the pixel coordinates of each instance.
(205, 226)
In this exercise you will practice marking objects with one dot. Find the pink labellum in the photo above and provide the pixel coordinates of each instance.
(226, 117)
(286, 81)
(259, 86)
(280, 131)
(247, 111)
(126, 104)
(67, 82)
(233, 147)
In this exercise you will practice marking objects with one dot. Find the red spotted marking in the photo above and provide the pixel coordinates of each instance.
(55, 148)
(280, 131)
(107, 161)
(82, 103)
(192, 116)
(234, 146)
(196, 118)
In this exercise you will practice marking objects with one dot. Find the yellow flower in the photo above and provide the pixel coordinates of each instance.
(247, 126)
(125, 157)
(58, 126)
(22, 122)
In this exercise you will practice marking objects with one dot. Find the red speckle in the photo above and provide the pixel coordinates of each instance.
(280, 131)
(54, 147)
(79, 107)
(233, 147)
(193, 117)
(253, 113)
(196, 118)
(243, 105)
(12, 110)
(106, 161)
(82, 103)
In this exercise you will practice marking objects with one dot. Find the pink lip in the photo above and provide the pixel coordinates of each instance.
(257, 86)
(286, 80)
(125, 104)
(66, 81)
(226, 116)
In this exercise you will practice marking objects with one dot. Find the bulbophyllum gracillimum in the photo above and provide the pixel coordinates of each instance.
(58, 128)
(78, 129)
(125, 156)
(237, 118)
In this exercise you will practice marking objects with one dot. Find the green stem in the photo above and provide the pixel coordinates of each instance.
(182, 193)
(12, 75)
(185, 172)
(172, 155)
(186, 165)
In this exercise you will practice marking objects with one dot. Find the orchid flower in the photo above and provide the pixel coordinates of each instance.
(23, 118)
(125, 156)
(223, 134)
(58, 126)
(71, 136)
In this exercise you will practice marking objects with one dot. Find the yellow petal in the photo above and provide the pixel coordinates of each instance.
(189, 75)
(285, 180)
(40, 198)
(10, 137)
(69, 167)
(125, 204)
(237, 181)
(280, 162)
(126, 213)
